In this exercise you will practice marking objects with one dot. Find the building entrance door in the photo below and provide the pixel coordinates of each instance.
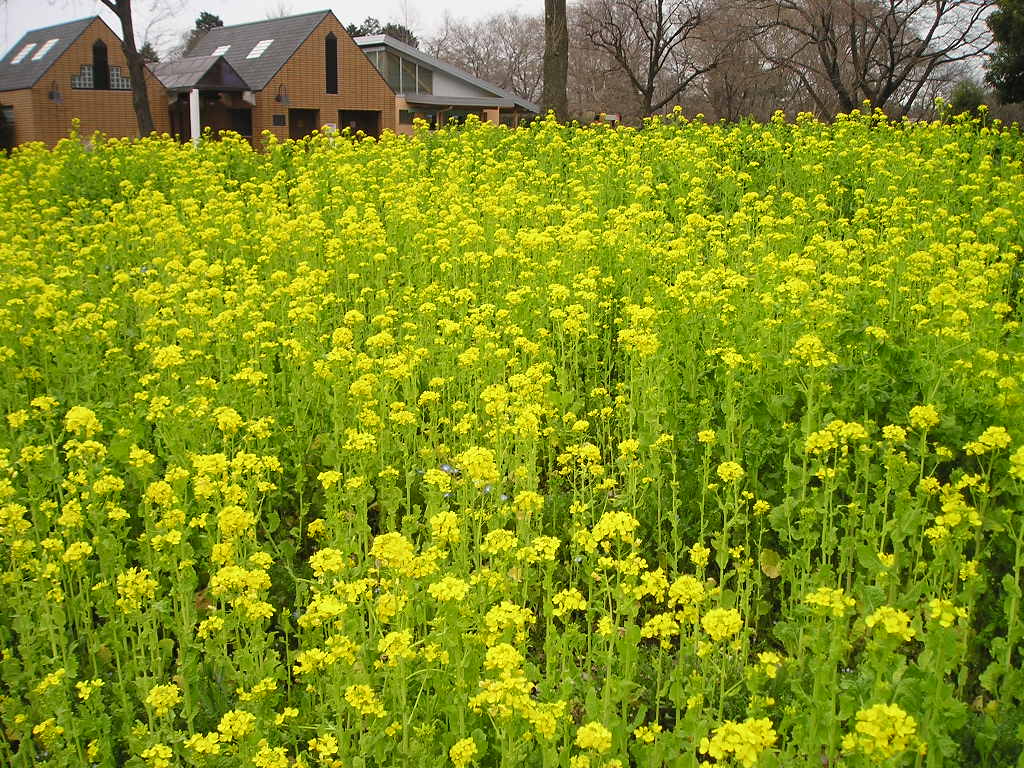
(302, 122)
(365, 120)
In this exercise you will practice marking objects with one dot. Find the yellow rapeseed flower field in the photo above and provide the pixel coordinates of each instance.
(559, 446)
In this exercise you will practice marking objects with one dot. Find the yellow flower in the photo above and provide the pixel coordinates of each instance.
(329, 479)
(882, 732)
(271, 757)
(498, 541)
(133, 586)
(158, 756)
(647, 734)
(163, 698)
(769, 662)
(449, 588)
(324, 745)
(236, 724)
(363, 699)
(594, 736)
(568, 600)
(76, 552)
(923, 416)
(507, 615)
(395, 647)
(721, 623)
(82, 421)
(463, 752)
(829, 601)
(809, 350)
(204, 744)
(699, 555)
(991, 439)
(893, 621)
(730, 471)
(327, 561)
(392, 549)
(234, 521)
(17, 419)
(743, 742)
(894, 434)
(227, 420)
(444, 526)
(479, 465)
(86, 688)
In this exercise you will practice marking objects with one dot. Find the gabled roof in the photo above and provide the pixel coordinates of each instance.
(287, 35)
(213, 73)
(377, 41)
(27, 72)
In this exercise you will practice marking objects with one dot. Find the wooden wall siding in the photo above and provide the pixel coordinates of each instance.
(360, 85)
(24, 121)
(108, 111)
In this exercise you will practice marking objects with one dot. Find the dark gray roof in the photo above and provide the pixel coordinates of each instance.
(212, 73)
(287, 33)
(26, 73)
(458, 101)
(368, 42)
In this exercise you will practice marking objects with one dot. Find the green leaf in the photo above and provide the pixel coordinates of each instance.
(770, 562)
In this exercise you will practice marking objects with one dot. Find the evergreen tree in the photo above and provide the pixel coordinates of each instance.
(149, 54)
(372, 26)
(204, 23)
(1006, 65)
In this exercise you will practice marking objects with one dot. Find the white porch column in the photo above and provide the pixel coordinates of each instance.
(193, 115)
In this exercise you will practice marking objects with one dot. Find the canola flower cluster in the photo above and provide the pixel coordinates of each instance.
(559, 446)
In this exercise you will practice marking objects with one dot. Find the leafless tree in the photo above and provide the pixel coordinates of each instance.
(597, 83)
(136, 65)
(885, 52)
(556, 59)
(506, 49)
(653, 42)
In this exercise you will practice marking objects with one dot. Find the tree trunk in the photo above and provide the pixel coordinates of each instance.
(556, 59)
(136, 65)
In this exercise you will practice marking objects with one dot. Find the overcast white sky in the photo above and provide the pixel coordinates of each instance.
(170, 18)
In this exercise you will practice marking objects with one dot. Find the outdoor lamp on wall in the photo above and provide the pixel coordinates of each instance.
(282, 95)
(55, 95)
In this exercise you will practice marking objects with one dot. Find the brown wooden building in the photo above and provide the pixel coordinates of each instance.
(289, 76)
(301, 73)
(71, 70)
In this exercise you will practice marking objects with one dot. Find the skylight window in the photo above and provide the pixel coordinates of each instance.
(23, 53)
(46, 48)
(261, 46)
(221, 50)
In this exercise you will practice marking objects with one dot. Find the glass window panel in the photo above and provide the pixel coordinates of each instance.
(23, 53)
(45, 49)
(394, 71)
(84, 77)
(425, 80)
(259, 48)
(408, 76)
(119, 82)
